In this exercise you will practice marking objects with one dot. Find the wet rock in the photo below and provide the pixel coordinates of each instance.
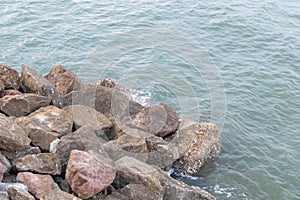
(45, 125)
(63, 79)
(196, 142)
(157, 181)
(12, 137)
(5, 165)
(22, 104)
(58, 194)
(88, 173)
(160, 120)
(44, 163)
(84, 115)
(84, 138)
(5, 186)
(23, 152)
(9, 77)
(38, 185)
(19, 194)
(33, 82)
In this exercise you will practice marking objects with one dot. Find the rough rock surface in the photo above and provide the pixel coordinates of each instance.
(19, 194)
(22, 104)
(157, 181)
(44, 163)
(35, 83)
(12, 137)
(5, 165)
(38, 185)
(63, 79)
(2, 86)
(59, 195)
(84, 115)
(45, 125)
(84, 138)
(196, 142)
(9, 92)
(9, 77)
(5, 186)
(160, 120)
(88, 173)
(23, 152)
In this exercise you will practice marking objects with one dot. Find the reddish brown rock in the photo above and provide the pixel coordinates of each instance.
(12, 137)
(88, 173)
(160, 120)
(22, 104)
(38, 185)
(33, 82)
(43, 163)
(9, 77)
(19, 194)
(45, 125)
(84, 115)
(64, 80)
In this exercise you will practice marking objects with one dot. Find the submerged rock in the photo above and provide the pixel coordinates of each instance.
(44, 163)
(160, 120)
(33, 82)
(12, 136)
(88, 173)
(63, 79)
(22, 104)
(38, 185)
(9, 77)
(45, 125)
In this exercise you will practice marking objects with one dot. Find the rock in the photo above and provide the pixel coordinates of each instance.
(88, 173)
(19, 194)
(84, 138)
(107, 82)
(33, 82)
(2, 86)
(64, 80)
(9, 77)
(12, 137)
(5, 165)
(22, 104)
(138, 192)
(196, 142)
(23, 152)
(160, 120)
(44, 163)
(38, 185)
(9, 92)
(3, 197)
(157, 181)
(84, 115)
(45, 125)
(5, 186)
(58, 194)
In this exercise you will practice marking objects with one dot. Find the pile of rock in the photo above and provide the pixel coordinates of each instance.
(62, 139)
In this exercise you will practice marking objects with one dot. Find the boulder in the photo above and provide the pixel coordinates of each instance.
(22, 104)
(5, 165)
(45, 125)
(84, 138)
(107, 82)
(2, 86)
(5, 186)
(19, 194)
(43, 163)
(84, 115)
(33, 82)
(195, 142)
(12, 137)
(58, 194)
(136, 191)
(160, 120)
(3, 197)
(88, 173)
(38, 185)
(9, 77)
(9, 92)
(63, 79)
(156, 181)
(23, 152)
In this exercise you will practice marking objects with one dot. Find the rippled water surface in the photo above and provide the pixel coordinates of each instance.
(255, 45)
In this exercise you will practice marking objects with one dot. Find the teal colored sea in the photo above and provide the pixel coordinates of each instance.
(233, 63)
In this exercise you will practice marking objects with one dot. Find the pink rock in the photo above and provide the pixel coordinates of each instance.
(88, 173)
(38, 185)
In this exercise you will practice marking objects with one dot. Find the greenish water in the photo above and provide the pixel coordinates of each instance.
(254, 45)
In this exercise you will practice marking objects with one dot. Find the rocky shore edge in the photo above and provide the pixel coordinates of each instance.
(63, 139)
